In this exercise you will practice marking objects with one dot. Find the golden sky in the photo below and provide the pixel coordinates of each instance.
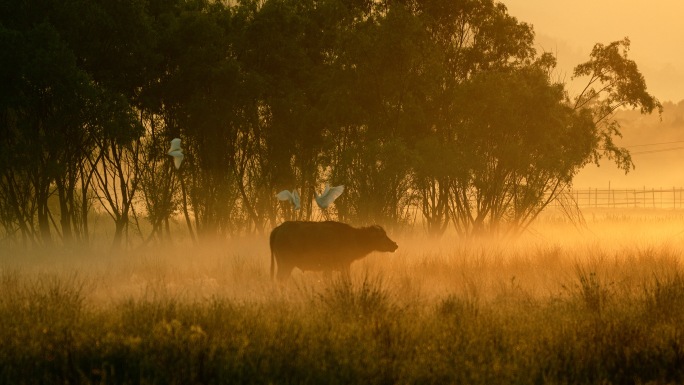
(571, 28)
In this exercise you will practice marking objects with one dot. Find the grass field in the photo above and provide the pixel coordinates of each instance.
(604, 304)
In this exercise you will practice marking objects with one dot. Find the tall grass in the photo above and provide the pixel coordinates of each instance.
(566, 311)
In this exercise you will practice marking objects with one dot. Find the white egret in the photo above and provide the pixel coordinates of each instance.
(329, 195)
(176, 152)
(293, 197)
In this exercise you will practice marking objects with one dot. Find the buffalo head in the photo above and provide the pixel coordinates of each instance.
(378, 238)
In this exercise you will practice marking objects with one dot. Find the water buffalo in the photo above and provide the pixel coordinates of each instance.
(323, 246)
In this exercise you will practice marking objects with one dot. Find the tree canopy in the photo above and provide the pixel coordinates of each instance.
(432, 112)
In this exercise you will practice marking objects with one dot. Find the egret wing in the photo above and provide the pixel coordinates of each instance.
(175, 145)
(178, 159)
(284, 195)
(329, 196)
(335, 192)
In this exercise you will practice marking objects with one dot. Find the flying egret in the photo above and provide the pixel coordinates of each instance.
(176, 152)
(293, 197)
(329, 195)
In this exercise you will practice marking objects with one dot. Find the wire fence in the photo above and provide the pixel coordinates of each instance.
(664, 198)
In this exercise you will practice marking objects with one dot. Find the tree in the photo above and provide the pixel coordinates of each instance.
(200, 89)
(66, 93)
(290, 49)
(467, 38)
(115, 161)
(614, 82)
(439, 104)
(158, 185)
(383, 87)
(525, 141)
(45, 127)
(520, 144)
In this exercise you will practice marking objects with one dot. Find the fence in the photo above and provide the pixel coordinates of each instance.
(672, 198)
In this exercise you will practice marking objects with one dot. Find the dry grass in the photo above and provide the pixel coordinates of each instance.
(604, 304)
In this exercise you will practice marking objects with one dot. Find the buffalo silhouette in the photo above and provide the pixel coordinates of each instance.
(323, 246)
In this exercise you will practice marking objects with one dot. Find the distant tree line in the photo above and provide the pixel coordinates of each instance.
(439, 105)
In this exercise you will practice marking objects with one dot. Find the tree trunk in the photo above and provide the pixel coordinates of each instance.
(185, 213)
(44, 223)
(121, 223)
(42, 190)
(65, 214)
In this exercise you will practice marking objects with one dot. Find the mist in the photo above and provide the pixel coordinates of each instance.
(531, 181)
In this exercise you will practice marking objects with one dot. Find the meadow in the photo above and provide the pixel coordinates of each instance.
(599, 304)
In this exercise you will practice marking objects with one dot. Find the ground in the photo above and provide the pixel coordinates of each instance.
(599, 303)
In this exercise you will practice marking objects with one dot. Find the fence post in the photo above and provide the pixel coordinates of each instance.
(634, 195)
(626, 198)
(644, 196)
(589, 197)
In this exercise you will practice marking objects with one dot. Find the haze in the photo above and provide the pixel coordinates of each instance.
(571, 28)
(148, 154)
